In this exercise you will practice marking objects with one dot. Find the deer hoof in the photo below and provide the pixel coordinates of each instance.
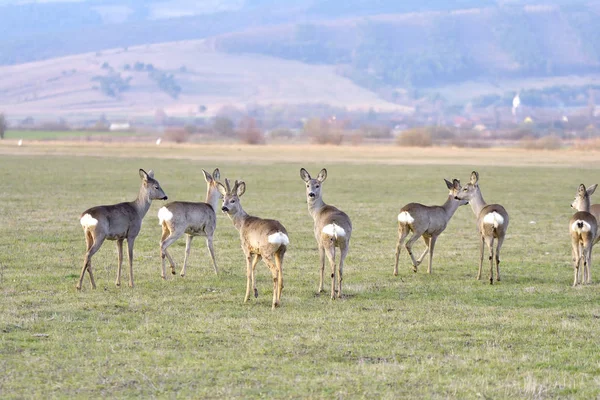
(414, 268)
(255, 293)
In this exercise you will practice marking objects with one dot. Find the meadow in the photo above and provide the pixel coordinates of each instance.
(444, 335)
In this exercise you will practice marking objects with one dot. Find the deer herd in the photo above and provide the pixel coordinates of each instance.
(267, 239)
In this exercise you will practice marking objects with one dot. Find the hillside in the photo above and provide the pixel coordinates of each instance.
(66, 86)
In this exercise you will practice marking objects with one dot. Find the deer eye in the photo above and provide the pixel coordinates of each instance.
(156, 187)
(233, 201)
(317, 186)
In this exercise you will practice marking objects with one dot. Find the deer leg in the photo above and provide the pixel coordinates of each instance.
(422, 256)
(491, 258)
(498, 247)
(188, 245)
(93, 245)
(211, 250)
(279, 265)
(575, 251)
(481, 257)
(120, 258)
(330, 252)
(402, 232)
(409, 244)
(432, 241)
(322, 266)
(173, 236)
(587, 262)
(130, 242)
(343, 253)
(251, 261)
(257, 258)
(165, 235)
(275, 275)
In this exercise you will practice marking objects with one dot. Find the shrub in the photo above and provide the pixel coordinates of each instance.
(415, 137)
(177, 135)
(281, 133)
(249, 132)
(551, 142)
(321, 131)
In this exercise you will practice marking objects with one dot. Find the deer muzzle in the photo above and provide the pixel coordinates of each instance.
(224, 209)
(311, 194)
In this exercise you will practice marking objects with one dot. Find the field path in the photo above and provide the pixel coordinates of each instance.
(268, 154)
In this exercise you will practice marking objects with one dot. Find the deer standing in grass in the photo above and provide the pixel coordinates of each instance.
(492, 223)
(193, 219)
(332, 229)
(260, 238)
(426, 221)
(583, 228)
(118, 222)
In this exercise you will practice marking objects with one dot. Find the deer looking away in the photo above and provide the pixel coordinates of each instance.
(193, 219)
(583, 228)
(426, 221)
(332, 229)
(118, 222)
(492, 223)
(261, 238)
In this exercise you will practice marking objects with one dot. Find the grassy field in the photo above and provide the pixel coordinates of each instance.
(443, 335)
(58, 135)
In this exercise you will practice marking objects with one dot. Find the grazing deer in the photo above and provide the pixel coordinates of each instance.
(332, 229)
(118, 222)
(492, 223)
(261, 238)
(426, 221)
(193, 219)
(583, 228)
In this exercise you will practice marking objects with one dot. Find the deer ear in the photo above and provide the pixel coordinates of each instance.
(241, 188)
(304, 175)
(592, 189)
(474, 177)
(448, 184)
(143, 174)
(456, 184)
(221, 189)
(322, 175)
(207, 176)
(216, 174)
(581, 190)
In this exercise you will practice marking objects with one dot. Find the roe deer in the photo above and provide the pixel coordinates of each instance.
(193, 219)
(118, 222)
(260, 238)
(492, 223)
(583, 228)
(426, 221)
(332, 229)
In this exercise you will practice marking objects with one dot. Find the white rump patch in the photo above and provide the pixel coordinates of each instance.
(334, 230)
(405, 218)
(585, 228)
(278, 238)
(493, 218)
(164, 215)
(87, 220)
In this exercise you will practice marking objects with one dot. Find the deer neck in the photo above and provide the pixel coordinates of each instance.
(239, 218)
(315, 206)
(477, 202)
(450, 206)
(584, 205)
(143, 201)
(212, 197)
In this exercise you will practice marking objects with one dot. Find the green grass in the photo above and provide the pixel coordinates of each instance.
(443, 335)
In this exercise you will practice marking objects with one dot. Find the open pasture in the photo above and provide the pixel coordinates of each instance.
(415, 335)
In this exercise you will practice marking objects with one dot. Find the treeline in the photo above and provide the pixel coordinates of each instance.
(554, 97)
